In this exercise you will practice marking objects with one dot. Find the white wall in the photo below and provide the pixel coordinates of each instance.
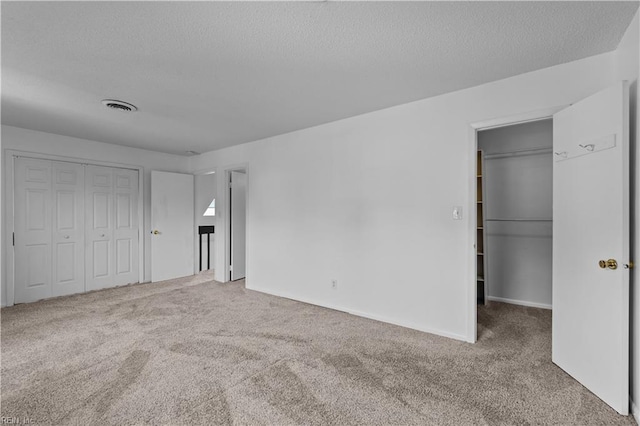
(2, 243)
(205, 192)
(14, 138)
(518, 253)
(627, 67)
(368, 201)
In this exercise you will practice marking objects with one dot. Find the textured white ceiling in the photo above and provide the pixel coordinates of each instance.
(212, 75)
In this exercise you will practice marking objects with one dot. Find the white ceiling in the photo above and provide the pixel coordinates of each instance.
(211, 75)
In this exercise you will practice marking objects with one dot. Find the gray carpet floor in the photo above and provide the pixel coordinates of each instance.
(194, 351)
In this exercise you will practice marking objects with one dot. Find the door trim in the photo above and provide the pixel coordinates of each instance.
(223, 235)
(10, 156)
(473, 129)
(226, 220)
(230, 222)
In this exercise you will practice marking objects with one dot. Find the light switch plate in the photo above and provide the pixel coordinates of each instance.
(457, 213)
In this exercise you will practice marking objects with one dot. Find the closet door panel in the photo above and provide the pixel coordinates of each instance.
(101, 209)
(68, 229)
(123, 256)
(101, 259)
(126, 226)
(99, 231)
(76, 228)
(32, 229)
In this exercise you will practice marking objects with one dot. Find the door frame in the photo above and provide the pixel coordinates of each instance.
(197, 216)
(10, 156)
(227, 224)
(473, 129)
(223, 234)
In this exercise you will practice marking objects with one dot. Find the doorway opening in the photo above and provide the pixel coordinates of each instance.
(205, 221)
(237, 179)
(514, 214)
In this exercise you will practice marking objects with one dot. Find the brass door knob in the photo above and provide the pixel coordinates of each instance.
(611, 264)
(156, 232)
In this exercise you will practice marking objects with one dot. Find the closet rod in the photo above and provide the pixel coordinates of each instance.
(519, 220)
(532, 151)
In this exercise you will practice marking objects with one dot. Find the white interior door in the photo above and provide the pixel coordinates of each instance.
(111, 199)
(126, 227)
(33, 231)
(591, 223)
(68, 229)
(99, 228)
(172, 225)
(238, 188)
(76, 228)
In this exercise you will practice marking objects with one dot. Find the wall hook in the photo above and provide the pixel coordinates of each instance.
(588, 147)
(562, 154)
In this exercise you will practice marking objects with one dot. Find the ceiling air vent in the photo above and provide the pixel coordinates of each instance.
(119, 105)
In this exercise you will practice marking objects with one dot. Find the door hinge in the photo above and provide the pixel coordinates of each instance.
(231, 267)
(229, 184)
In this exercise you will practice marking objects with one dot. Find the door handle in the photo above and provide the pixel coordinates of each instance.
(610, 264)
(155, 232)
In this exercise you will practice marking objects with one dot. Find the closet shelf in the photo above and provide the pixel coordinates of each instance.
(533, 151)
(519, 220)
(481, 266)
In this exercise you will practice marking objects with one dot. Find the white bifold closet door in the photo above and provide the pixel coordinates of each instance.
(68, 233)
(68, 228)
(49, 229)
(32, 228)
(112, 227)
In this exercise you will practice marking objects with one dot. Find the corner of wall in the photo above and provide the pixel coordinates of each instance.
(627, 67)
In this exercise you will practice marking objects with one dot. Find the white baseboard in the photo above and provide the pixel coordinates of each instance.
(410, 325)
(297, 298)
(634, 410)
(364, 315)
(520, 302)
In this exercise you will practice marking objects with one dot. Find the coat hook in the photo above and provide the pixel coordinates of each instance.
(562, 154)
(588, 147)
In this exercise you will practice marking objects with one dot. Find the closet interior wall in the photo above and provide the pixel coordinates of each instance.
(518, 179)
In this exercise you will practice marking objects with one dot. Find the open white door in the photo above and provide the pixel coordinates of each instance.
(238, 185)
(590, 225)
(172, 225)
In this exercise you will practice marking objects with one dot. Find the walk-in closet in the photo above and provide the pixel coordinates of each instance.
(514, 229)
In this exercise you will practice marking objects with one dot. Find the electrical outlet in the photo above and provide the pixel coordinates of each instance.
(334, 284)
